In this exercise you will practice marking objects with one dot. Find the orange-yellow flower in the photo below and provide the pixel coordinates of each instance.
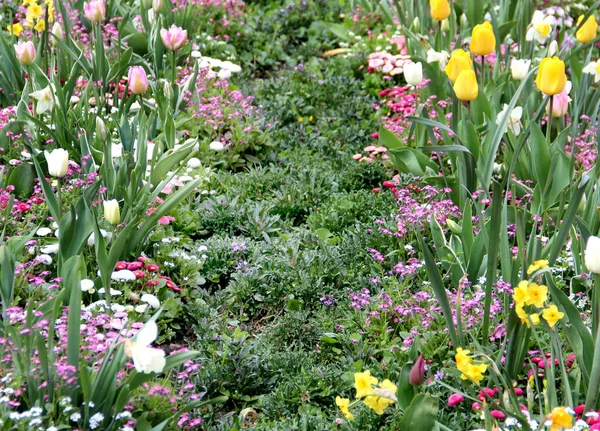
(551, 78)
(560, 419)
(552, 315)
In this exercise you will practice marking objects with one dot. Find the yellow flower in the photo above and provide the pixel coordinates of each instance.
(521, 313)
(535, 319)
(551, 78)
(363, 383)
(483, 40)
(34, 11)
(552, 315)
(440, 9)
(538, 264)
(462, 358)
(521, 293)
(560, 419)
(465, 86)
(40, 26)
(300, 119)
(343, 404)
(588, 30)
(459, 60)
(537, 295)
(15, 29)
(29, 2)
(384, 397)
(474, 372)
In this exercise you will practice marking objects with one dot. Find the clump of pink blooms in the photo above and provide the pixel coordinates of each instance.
(386, 63)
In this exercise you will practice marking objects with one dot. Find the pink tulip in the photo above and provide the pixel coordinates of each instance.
(25, 52)
(455, 399)
(560, 102)
(417, 372)
(138, 81)
(95, 10)
(173, 38)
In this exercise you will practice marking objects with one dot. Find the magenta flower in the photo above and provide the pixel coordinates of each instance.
(173, 38)
(455, 399)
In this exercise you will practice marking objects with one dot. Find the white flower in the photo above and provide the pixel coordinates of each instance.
(44, 258)
(87, 285)
(593, 68)
(592, 254)
(96, 420)
(413, 73)
(113, 292)
(92, 239)
(224, 74)
(441, 57)
(514, 119)
(194, 162)
(216, 146)
(146, 359)
(58, 162)
(141, 308)
(75, 417)
(123, 275)
(116, 150)
(45, 100)
(233, 68)
(151, 300)
(519, 68)
(44, 231)
(50, 249)
(540, 27)
(552, 48)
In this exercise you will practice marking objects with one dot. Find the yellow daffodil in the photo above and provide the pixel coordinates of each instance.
(560, 419)
(551, 78)
(521, 293)
(383, 397)
(15, 29)
(363, 383)
(459, 60)
(483, 40)
(587, 32)
(40, 26)
(474, 373)
(440, 9)
(343, 404)
(465, 86)
(34, 11)
(535, 319)
(552, 315)
(538, 264)
(537, 295)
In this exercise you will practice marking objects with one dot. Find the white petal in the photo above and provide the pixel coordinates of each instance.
(147, 334)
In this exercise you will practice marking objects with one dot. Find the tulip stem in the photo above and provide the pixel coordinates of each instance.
(596, 306)
(59, 193)
(174, 69)
(482, 73)
(549, 125)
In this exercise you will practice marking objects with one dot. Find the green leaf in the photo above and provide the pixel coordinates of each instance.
(421, 414)
(22, 177)
(406, 391)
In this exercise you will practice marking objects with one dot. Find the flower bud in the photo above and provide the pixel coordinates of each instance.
(157, 6)
(551, 78)
(58, 33)
(173, 38)
(417, 372)
(454, 227)
(466, 87)
(95, 10)
(483, 40)
(592, 254)
(168, 90)
(416, 25)
(552, 48)
(112, 213)
(138, 81)
(25, 52)
(464, 21)
(100, 129)
(445, 25)
(413, 73)
(560, 102)
(58, 162)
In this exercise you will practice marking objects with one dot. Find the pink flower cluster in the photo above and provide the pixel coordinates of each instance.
(388, 64)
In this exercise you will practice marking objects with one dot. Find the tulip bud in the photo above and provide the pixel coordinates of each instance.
(592, 254)
(440, 9)
(454, 227)
(519, 68)
(112, 213)
(168, 90)
(58, 33)
(445, 25)
(413, 73)
(459, 60)
(551, 78)
(455, 399)
(483, 40)
(587, 32)
(560, 102)
(552, 48)
(100, 129)
(466, 87)
(464, 21)
(95, 10)
(138, 81)
(173, 38)
(157, 6)
(417, 372)
(25, 52)
(416, 25)
(58, 162)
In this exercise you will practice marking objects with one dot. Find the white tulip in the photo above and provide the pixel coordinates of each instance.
(519, 68)
(146, 359)
(413, 73)
(58, 162)
(151, 300)
(592, 254)
(514, 119)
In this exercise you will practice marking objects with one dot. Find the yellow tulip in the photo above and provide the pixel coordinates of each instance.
(440, 9)
(483, 40)
(551, 78)
(588, 30)
(459, 60)
(465, 86)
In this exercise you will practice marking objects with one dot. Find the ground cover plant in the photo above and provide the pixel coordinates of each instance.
(299, 215)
